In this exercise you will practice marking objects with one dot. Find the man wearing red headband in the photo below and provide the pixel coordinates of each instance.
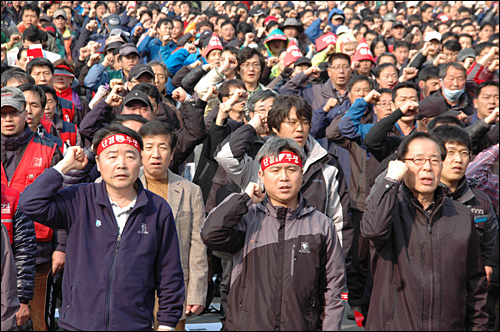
(288, 264)
(122, 242)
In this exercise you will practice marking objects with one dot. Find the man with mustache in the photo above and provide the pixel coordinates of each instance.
(425, 253)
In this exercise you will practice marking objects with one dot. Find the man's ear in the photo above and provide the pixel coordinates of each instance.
(475, 103)
(97, 163)
(261, 176)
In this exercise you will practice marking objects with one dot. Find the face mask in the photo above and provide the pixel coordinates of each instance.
(453, 95)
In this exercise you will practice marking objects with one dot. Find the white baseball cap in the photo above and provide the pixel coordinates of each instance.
(432, 35)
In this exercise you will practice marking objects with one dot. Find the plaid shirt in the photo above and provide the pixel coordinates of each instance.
(480, 169)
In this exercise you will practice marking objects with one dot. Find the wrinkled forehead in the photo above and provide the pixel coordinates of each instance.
(423, 147)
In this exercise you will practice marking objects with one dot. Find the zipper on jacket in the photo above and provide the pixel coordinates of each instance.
(111, 273)
(431, 302)
(294, 258)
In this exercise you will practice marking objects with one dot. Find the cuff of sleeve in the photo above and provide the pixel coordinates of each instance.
(166, 328)
(392, 180)
(246, 199)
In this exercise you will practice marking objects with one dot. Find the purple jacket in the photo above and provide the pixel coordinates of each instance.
(110, 280)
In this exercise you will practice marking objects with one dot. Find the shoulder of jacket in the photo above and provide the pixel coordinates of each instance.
(44, 141)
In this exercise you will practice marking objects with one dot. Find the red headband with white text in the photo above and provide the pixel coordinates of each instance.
(117, 139)
(283, 158)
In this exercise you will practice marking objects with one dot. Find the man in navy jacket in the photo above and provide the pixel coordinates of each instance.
(122, 240)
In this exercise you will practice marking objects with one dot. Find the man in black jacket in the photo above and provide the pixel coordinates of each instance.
(457, 144)
(426, 259)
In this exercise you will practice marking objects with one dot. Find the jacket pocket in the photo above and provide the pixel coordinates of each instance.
(70, 299)
(394, 296)
(32, 174)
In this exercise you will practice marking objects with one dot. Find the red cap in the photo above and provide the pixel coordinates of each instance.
(292, 54)
(327, 39)
(270, 18)
(213, 44)
(363, 52)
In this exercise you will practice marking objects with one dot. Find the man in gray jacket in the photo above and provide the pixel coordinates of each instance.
(288, 269)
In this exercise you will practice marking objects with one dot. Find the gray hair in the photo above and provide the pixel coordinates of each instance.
(275, 145)
(158, 63)
(444, 69)
(260, 95)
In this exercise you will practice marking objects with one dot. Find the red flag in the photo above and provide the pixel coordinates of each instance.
(292, 54)
(34, 53)
(327, 39)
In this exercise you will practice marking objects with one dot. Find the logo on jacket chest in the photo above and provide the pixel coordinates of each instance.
(37, 162)
(144, 229)
(304, 248)
(6, 208)
(476, 211)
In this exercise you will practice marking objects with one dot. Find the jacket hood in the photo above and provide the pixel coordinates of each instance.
(276, 34)
(333, 12)
(314, 152)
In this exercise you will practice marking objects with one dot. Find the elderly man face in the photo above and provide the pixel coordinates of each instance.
(454, 79)
(424, 167)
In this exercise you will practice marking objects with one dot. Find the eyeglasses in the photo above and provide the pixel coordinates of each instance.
(254, 65)
(295, 123)
(338, 68)
(383, 105)
(12, 114)
(419, 161)
(462, 153)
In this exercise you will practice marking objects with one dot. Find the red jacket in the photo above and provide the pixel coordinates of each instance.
(10, 197)
(36, 159)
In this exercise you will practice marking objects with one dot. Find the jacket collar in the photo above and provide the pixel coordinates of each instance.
(302, 209)
(102, 197)
(175, 189)
(462, 194)
(314, 152)
(15, 143)
(439, 198)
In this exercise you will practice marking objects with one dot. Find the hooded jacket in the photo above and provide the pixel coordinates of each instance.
(427, 271)
(323, 185)
(288, 267)
(276, 34)
(314, 31)
(110, 279)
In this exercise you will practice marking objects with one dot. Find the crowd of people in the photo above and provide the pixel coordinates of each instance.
(280, 153)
